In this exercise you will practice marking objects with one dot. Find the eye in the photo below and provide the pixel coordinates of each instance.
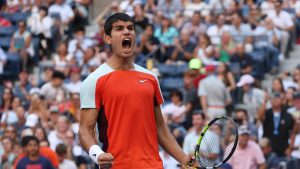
(118, 28)
(131, 28)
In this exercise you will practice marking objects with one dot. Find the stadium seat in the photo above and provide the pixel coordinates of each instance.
(12, 67)
(171, 83)
(7, 31)
(166, 70)
(5, 42)
(17, 17)
(180, 69)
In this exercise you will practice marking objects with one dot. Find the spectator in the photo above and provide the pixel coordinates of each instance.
(190, 98)
(75, 81)
(61, 151)
(278, 126)
(7, 157)
(148, 43)
(63, 59)
(170, 8)
(267, 7)
(226, 76)
(289, 98)
(226, 48)
(195, 26)
(192, 137)
(254, 158)
(239, 29)
(166, 35)
(220, 6)
(6, 100)
(22, 89)
(150, 7)
(51, 89)
(183, 48)
(242, 119)
(283, 21)
(127, 6)
(58, 135)
(194, 6)
(64, 11)
(253, 97)
(242, 60)
(204, 50)
(79, 44)
(295, 110)
(277, 86)
(40, 25)
(22, 42)
(33, 157)
(216, 30)
(20, 112)
(174, 112)
(213, 95)
(140, 19)
(3, 59)
(11, 132)
(53, 117)
(272, 160)
(39, 109)
(40, 134)
(168, 161)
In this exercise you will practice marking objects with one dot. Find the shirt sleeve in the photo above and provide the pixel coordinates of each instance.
(259, 156)
(201, 89)
(88, 93)
(157, 92)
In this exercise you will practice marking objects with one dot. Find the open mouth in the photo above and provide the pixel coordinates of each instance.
(126, 43)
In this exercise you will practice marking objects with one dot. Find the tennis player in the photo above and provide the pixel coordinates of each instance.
(124, 99)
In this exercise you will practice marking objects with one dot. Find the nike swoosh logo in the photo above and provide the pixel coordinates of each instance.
(142, 81)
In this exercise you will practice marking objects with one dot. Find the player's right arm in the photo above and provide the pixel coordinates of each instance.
(87, 136)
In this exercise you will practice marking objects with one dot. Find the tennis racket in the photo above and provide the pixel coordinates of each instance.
(216, 144)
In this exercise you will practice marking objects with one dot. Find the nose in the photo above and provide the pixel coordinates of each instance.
(126, 31)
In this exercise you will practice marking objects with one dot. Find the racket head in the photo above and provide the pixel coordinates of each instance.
(216, 144)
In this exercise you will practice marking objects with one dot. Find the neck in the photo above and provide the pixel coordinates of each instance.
(277, 109)
(119, 63)
(33, 157)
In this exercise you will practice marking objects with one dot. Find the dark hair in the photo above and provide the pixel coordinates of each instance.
(242, 110)
(80, 29)
(2, 103)
(199, 112)
(176, 93)
(45, 9)
(281, 84)
(61, 149)
(58, 74)
(44, 132)
(25, 140)
(114, 18)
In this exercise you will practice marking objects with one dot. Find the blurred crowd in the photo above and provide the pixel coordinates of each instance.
(211, 58)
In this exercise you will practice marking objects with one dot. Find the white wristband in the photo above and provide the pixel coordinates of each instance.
(94, 153)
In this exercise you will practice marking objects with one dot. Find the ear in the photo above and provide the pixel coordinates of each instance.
(107, 39)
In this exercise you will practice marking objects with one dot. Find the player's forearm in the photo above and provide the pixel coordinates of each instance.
(87, 137)
(170, 145)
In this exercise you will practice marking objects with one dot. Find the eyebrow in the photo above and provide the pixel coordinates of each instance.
(121, 26)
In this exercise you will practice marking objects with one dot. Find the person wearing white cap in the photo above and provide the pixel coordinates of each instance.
(248, 154)
(253, 98)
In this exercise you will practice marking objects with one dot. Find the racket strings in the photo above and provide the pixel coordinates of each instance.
(217, 143)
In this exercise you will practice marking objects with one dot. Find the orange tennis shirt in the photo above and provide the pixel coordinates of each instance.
(126, 120)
